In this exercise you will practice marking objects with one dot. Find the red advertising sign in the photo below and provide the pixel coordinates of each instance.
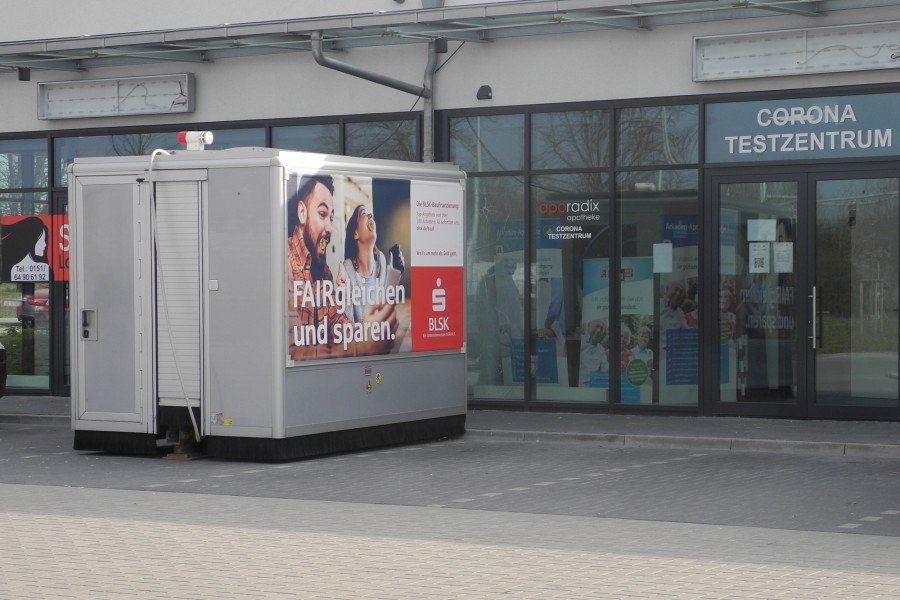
(34, 248)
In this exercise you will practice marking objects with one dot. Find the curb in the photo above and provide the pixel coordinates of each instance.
(35, 419)
(700, 443)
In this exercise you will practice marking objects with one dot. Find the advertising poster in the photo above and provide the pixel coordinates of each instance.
(374, 266)
(636, 331)
(34, 248)
(728, 271)
(593, 360)
(551, 367)
(678, 313)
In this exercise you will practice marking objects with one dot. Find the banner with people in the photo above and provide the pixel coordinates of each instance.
(374, 266)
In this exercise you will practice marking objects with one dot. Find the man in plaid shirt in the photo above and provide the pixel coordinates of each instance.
(310, 218)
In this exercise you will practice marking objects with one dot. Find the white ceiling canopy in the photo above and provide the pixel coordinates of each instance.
(482, 22)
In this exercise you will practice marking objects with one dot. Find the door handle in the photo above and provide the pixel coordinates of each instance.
(88, 324)
(814, 318)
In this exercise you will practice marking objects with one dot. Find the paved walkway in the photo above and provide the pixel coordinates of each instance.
(78, 543)
(72, 543)
(857, 438)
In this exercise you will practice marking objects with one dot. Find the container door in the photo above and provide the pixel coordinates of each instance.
(111, 353)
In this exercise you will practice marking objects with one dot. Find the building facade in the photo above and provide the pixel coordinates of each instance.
(708, 192)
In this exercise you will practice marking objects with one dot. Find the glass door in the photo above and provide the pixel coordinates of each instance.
(855, 298)
(760, 338)
(807, 286)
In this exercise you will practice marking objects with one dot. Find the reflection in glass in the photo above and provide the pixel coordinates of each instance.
(395, 140)
(25, 333)
(324, 139)
(495, 255)
(14, 204)
(758, 328)
(856, 282)
(570, 287)
(657, 135)
(658, 340)
(237, 138)
(570, 140)
(488, 143)
(66, 149)
(23, 164)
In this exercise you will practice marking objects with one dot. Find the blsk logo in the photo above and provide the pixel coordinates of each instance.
(438, 304)
(438, 298)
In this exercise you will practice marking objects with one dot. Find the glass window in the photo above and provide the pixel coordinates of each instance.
(396, 140)
(12, 204)
(26, 253)
(237, 138)
(495, 275)
(488, 143)
(23, 164)
(658, 135)
(139, 144)
(570, 287)
(570, 140)
(325, 139)
(131, 144)
(658, 330)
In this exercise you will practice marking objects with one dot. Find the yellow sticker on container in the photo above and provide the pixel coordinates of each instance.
(227, 422)
(377, 377)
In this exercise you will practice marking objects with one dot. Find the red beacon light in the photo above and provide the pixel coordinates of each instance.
(195, 140)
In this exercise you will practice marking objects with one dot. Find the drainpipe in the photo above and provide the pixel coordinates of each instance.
(428, 107)
(424, 91)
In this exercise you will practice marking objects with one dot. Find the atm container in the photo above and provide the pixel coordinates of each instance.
(191, 327)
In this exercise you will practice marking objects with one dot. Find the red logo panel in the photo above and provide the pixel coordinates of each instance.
(437, 308)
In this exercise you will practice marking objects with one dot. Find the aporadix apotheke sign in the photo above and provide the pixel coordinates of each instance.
(803, 129)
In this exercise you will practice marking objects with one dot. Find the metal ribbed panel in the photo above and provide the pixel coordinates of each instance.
(178, 291)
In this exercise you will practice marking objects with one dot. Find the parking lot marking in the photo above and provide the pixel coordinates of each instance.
(188, 480)
(849, 526)
(871, 519)
(156, 485)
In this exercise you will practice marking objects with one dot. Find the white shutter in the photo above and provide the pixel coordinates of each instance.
(178, 292)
